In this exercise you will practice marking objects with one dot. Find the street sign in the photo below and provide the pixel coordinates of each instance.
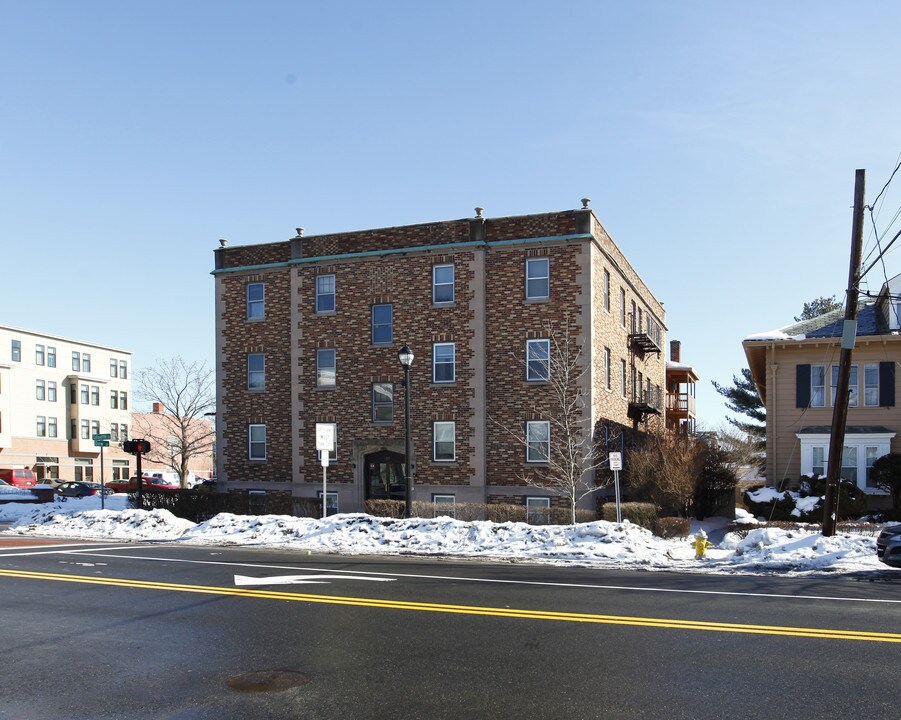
(616, 461)
(101, 443)
(325, 436)
(100, 436)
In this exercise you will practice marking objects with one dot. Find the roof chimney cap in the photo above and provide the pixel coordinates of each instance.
(223, 242)
(299, 232)
(585, 203)
(479, 212)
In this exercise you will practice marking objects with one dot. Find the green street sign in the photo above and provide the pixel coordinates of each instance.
(101, 443)
(100, 436)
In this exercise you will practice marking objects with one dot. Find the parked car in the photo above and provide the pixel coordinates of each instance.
(20, 477)
(888, 545)
(79, 488)
(148, 482)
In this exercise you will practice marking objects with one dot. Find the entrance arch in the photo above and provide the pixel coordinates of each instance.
(383, 475)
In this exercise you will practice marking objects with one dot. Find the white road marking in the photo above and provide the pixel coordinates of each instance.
(241, 580)
(453, 578)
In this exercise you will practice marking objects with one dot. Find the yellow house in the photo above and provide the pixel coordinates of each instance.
(795, 370)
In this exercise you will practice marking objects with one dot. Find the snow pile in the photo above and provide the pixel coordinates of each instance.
(804, 504)
(15, 510)
(598, 544)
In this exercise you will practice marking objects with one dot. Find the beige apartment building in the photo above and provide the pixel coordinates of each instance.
(56, 393)
(795, 370)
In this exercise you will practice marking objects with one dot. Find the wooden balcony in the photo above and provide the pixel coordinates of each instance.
(681, 405)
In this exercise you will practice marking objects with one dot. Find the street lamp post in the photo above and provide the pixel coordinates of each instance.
(405, 356)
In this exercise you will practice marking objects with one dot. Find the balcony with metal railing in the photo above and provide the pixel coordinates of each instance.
(646, 335)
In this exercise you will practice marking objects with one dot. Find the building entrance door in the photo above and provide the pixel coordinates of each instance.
(384, 472)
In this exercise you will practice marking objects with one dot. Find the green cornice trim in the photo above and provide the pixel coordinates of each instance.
(401, 251)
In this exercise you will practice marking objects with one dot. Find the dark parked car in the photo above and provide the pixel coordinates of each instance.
(888, 545)
(76, 488)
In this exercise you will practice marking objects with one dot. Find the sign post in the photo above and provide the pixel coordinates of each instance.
(616, 464)
(101, 440)
(325, 443)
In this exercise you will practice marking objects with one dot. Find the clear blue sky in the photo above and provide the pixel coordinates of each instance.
(717, 141)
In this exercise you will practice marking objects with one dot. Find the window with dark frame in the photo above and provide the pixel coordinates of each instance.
(15, 351)
(51, 356)
(38, 354)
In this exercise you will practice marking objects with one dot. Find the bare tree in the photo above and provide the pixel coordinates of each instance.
(186, 391)
(573, 453)
(664, 469)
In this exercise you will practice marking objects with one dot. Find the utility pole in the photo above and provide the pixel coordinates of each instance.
(849, 333)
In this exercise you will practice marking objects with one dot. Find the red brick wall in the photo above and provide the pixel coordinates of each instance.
(272, 407)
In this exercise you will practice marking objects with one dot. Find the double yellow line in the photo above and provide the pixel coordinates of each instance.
(466, 609)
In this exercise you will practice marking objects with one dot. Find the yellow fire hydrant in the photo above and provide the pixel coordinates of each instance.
(700, 544)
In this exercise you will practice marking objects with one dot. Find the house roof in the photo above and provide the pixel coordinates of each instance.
(849, 430)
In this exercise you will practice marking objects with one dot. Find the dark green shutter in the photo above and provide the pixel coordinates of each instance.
(886, 384)
(802, 387)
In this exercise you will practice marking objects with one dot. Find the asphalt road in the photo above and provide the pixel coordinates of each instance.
(102, 631)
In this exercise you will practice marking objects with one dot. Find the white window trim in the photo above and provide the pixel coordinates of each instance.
(444, 504)
(547, 343)
(452, 283)
(435, 425)
(247, 301)
(530, 261)
(250, 442)
(262, 372)
(538, 503)
(543, 460)
(453, 363)
(861, 441)
(333, 293)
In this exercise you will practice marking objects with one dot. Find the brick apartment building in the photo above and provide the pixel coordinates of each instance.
(308, 331)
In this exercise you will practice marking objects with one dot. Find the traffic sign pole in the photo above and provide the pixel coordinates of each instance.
(616, 464)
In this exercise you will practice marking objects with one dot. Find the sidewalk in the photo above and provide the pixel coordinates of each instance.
(715, 527)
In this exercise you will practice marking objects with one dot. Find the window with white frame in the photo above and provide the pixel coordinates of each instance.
(51, 427)
(95, 427)
(444, 505)
(853, 386)
(538, 441)
(123, 432)
(871, 385)
(40, 390)
(38, 354)
(382, 402)
(51, 390)
(442, 284)
(444, 443)
(256, 301)
(84, 470)
(538, 360)
(85, 430)
(538, 278)
(51, 356)
(325, 293)
(382, 324)
(256, 371)
(256, 442)
(538, 510)
(817, 386)
(120, 470)
(859, 452)
(325, 368)
(444, 362)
